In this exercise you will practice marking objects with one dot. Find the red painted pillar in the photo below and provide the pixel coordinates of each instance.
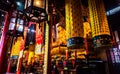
(3, 44)
(75, 54)
(64, 63)
(66, 54)
(73, 63)
(86, 45)
(8, 67)
(19, 66)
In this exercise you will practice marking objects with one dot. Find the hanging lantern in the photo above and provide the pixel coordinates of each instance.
(39, 3)
(35, 10)
(99, 24)
(74, 25)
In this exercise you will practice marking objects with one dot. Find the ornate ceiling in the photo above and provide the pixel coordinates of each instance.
(59, 4)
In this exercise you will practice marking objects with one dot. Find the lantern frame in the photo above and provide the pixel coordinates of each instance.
(35, 13)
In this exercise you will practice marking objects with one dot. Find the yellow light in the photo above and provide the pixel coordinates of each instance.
(99, 24)
(38, 3)
(46, 49)
(31, 54)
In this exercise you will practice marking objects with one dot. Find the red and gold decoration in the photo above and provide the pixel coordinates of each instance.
(16, 47)
(39, 40)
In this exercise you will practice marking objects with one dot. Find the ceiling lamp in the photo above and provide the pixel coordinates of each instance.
(39, 3)
(35, 10)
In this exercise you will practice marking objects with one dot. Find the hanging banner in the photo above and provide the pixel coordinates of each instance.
(39, 38)
(16, 47)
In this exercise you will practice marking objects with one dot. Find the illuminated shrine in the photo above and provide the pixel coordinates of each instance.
(51, 36)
